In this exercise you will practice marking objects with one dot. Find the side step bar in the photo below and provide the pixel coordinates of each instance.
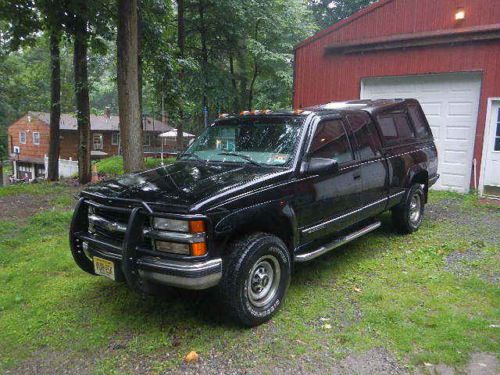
(338, 242)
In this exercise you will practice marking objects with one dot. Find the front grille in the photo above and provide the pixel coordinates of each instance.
(109, 224)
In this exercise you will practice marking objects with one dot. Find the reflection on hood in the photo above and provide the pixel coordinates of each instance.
(180, 183)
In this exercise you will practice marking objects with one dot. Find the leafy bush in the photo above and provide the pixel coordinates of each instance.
(113, 166)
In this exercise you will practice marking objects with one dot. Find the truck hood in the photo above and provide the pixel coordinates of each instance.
(184, 183)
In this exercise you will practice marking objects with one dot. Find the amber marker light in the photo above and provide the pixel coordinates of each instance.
(198, 249)
(196, 226)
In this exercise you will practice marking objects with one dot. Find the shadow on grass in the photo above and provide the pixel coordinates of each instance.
(174, 308)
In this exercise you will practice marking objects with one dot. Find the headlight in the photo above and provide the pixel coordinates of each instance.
(172, 247)
(171, 224)
(192, 243)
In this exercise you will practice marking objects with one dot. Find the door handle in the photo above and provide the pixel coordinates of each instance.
(356, 176)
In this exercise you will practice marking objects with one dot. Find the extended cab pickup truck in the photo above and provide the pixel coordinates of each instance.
(255, 194)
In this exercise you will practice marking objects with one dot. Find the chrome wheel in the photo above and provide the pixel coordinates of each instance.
(263, 281)
(415, 208)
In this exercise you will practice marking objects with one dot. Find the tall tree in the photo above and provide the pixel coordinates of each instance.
(181, 44)
(80, 51)
(54, 19)
(55, 108)
(128, 86)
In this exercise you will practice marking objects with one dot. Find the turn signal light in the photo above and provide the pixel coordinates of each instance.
(196, 226)
(297, 111)
(198, 249)
(244, 113)
(224, 115)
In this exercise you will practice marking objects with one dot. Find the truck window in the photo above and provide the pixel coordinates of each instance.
(419, 121)
(366, 135)
(330, 141)
(395, 127)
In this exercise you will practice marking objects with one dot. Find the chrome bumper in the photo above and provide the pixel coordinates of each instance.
(176, 273)
(132, 261)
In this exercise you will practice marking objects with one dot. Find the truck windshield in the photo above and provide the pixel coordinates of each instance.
(265, 141)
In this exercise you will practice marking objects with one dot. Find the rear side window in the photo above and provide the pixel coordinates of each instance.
(330, 141)
(419, 121)
(395, 127)
(366, 135)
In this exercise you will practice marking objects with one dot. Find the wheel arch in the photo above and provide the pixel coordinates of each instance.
(419, 176)
(275, 217)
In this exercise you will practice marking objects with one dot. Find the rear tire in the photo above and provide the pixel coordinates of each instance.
(408, 215)
(256, 275)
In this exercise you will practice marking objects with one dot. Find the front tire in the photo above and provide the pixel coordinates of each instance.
(408, 215)
(255, 279)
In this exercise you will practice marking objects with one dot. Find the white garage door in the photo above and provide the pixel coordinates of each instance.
(450, 102)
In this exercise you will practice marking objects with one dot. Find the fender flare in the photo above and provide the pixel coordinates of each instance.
(276, 216)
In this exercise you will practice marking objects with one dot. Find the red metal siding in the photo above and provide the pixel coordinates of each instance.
(320, 78)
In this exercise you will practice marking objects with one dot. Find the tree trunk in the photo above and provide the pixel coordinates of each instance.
(236, 105)
(204, 60)
(128, 86)
(82, 99)
(181, 41)
(243, 65)
(140, 42)
(55, 106)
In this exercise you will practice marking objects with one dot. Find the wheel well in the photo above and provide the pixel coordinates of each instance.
(277, 226)
(422, 177)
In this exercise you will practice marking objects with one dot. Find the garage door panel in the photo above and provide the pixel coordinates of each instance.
(450, 102)
(460, 109)
(431, 109)
(454, 157)
(458, 133)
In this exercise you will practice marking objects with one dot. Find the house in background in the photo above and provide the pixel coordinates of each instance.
(28, 141)
(444, 53)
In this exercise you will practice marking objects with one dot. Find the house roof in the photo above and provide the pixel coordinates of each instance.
(103, 123)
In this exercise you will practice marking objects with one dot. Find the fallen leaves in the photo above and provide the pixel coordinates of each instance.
(192, 356)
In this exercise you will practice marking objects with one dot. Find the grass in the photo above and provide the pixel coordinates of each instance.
(38, 189)
(113, 166)
(382, 290)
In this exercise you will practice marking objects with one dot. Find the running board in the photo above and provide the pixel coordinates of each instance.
(338, 242)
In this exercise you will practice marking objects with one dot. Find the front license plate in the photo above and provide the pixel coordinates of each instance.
(104, 267)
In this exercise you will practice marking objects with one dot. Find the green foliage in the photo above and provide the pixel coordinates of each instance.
(328, 12)
(113, 166)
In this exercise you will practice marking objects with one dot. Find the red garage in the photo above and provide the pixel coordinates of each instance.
(445, 53)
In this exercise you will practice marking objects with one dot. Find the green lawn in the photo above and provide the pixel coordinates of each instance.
(383, 290)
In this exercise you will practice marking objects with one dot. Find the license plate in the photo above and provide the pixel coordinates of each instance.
(104, 267)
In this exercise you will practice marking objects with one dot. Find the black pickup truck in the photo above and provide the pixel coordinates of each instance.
(255, 194)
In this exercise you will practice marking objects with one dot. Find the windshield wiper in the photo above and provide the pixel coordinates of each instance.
(244, 157)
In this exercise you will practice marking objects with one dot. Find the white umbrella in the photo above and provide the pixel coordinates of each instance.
(172, 134)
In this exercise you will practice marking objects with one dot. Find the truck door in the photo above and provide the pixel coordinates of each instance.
(374, 168)
(330, 199)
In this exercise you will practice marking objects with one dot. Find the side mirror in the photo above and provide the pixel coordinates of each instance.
(320, 166)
